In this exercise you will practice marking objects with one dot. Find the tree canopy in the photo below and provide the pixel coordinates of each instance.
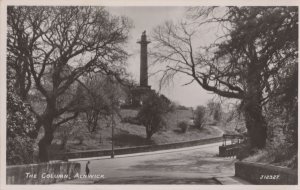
(244, 62)
(53, 47)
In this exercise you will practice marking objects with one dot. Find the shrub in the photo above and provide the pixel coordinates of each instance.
(218, 114)
(80, 139)
(183, 126)
(200, 117)
(245, 151)
(19, 150)
(20, 128)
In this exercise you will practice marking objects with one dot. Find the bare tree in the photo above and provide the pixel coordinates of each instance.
(60, 44)
(95, 94)
(257, 43)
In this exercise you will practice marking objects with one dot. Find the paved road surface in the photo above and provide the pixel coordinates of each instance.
(192, 165)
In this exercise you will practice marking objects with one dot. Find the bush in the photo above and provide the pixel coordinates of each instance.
(20, 128)
(218, 114)
(200, 117)
(80, 139)
(183, 126)
(19, 150)
(280, 155)
(284, 155)
(245, 151)
(152, 113)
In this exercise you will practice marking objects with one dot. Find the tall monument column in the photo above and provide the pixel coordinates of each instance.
(144, 60)
(138, 92)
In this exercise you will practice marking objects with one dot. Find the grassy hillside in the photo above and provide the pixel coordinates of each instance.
(127, 135)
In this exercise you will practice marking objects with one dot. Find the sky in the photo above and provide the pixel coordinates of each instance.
(147, 18)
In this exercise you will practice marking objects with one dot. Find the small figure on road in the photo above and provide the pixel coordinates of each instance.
(87, 169)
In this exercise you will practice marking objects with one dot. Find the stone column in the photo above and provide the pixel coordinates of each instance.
(144, 60)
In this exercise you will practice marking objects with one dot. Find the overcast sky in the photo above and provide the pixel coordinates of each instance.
(147, 18)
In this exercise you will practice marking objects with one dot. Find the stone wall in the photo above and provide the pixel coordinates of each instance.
(44, 173)
(265, 174)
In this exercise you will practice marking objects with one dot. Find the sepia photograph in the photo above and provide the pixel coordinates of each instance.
(150, 95)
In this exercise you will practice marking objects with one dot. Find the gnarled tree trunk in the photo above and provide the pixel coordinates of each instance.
(256, 125)
(255, 121)
(46, 140)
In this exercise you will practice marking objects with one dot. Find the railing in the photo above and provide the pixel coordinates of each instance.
(146, 148)
(232, 149)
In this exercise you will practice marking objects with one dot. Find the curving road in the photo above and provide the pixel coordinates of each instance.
(192, 165)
